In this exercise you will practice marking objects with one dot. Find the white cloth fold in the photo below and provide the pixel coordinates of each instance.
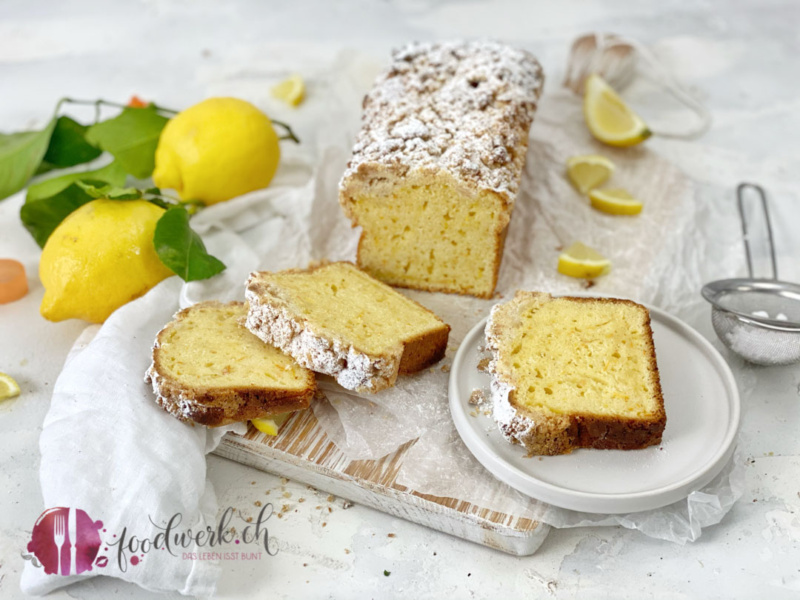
(110, 451)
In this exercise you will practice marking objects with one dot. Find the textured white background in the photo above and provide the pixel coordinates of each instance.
(738, 56)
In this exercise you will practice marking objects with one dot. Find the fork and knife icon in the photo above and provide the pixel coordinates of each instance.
(60, 530)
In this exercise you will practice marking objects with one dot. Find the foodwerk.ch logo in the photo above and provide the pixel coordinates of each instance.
(67, 541)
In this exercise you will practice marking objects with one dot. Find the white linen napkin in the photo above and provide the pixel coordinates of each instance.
(110, 451)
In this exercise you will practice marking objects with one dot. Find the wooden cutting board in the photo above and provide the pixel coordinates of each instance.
(303, 452)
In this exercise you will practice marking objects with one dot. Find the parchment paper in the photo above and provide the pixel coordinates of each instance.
(658, 257)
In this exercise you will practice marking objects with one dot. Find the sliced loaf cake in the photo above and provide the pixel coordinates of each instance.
(574, 373)
(208, 368)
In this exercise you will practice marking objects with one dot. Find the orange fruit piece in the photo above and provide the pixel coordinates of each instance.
(136, 102)
(13, 282)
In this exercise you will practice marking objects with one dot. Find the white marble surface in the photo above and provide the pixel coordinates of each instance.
(739, 56)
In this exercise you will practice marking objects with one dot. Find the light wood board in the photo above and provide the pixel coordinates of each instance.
(303, 452)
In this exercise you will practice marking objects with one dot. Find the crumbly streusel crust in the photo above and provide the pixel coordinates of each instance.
(460, 107)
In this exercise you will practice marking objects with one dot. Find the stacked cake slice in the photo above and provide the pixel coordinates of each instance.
(336, 319)
(333, 319)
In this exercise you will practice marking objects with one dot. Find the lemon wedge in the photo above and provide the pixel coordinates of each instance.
(8, 387)
(272, 425)
(588, 172)
(609, 119)
(292, 90)
(615, 202)
(582, 262)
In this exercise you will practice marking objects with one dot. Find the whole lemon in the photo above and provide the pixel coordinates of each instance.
(216, 150)
(99, 258)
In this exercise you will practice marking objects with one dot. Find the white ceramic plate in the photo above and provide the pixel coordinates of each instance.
(702, 405)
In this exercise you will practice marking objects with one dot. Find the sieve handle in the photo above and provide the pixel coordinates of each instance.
(740, 193)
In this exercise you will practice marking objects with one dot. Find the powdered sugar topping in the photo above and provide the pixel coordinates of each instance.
(463, 107)
(511, 423)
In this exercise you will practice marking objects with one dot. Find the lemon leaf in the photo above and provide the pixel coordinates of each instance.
(111, 192)
(112, 173)
(131, 137)
(20, 155)
(41, 216)
(181, 249)
(68, 146)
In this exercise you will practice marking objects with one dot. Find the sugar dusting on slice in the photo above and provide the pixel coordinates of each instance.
(511, 424)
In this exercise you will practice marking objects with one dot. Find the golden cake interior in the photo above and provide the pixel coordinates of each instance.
(432, 237)
(572, 357)
(345, 301)
(209, 348)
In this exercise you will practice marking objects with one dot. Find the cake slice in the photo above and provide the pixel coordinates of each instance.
(209, 369)
(437, 165)
(336, 319)
(574, 373)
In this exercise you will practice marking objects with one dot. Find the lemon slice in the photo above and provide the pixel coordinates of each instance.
(615, 202)
(609, 119)
(292, 90)
(582, 262)
(272, 425)
(8, 387)
(588, 172)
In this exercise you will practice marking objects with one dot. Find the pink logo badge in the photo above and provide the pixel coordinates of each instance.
(66, 541)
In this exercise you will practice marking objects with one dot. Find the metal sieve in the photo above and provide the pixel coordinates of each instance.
(758, 319)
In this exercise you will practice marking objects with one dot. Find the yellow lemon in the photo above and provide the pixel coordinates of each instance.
(216, 150)
(291, 90)
(583, 262)
(609, 119)
(8, 387)
(615, 202)
(272, 425)
(99, 258)
(588, 172)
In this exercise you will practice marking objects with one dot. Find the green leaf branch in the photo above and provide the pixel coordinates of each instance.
(289, 135)
(99, 103)
(131, 138)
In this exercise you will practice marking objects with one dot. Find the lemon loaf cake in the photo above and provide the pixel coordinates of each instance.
(436, 167)
(208, 368)
(336, 319)
(574, 373)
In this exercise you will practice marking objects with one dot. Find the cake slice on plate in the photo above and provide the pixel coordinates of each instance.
(209, 369)
(574, 373)
(336, 319)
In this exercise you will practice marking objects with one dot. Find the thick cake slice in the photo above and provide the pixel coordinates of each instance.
(437, 165)
(574, 373)
(336, 319)
(208, 368)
